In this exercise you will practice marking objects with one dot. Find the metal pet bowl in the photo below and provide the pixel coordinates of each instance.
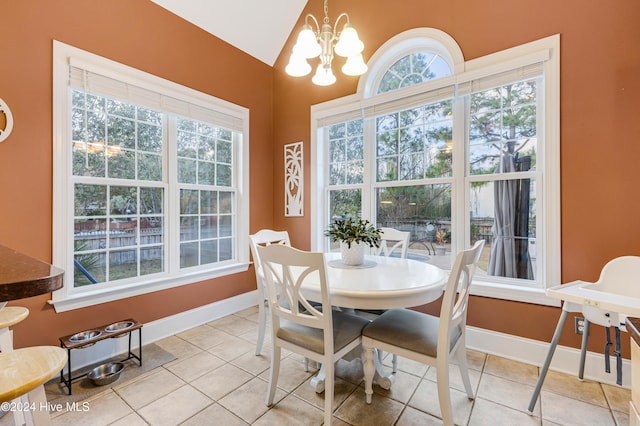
(119, 326)
(106, 373)
(85, 336)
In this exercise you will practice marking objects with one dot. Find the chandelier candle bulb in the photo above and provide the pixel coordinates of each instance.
(323, 76)
(307, 45)
(349, 43)
(354, 66)
(298, 66)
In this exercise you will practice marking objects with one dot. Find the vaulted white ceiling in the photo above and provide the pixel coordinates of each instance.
(257, 27)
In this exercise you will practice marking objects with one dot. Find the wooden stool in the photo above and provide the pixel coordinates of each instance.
(24, 372)
(9, 316)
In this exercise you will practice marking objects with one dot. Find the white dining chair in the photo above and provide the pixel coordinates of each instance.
(264, 237)
(320, 333)
(425, 338)
(391, 241)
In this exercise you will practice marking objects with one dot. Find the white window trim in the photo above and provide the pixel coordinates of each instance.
(547, 50)
(66, 298)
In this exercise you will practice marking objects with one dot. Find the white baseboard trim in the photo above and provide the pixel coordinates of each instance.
(529, 351)
(517, 348)
(161, 328)
(168, 326)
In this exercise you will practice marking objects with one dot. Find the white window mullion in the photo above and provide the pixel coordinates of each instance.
(460, 192)
(544, 190)
(172, 198)
(369, 177)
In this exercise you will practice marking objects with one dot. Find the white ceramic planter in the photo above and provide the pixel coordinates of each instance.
(353, 256)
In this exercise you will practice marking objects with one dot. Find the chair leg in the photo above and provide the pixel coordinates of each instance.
(464, 371)
(262, 326)
(328, 392)
(547, 360)
(583, 351)
(394, 361)
(274, 372)
(444, 396)
(369, 370)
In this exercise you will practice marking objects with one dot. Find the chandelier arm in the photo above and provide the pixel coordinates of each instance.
(313, 18)
(336, 33)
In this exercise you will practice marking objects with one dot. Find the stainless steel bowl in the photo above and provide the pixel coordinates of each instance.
(118, 326)
(106, 373)
(85, 336)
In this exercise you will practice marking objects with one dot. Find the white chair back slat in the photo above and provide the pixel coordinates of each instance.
(392, 240)
(453, 311)
(286, 269)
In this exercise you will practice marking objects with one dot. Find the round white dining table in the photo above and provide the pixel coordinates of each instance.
(381, 283)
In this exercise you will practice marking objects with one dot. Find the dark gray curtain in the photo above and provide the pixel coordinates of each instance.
(510, 248)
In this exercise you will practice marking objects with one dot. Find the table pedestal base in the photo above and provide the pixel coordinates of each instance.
(381, 377)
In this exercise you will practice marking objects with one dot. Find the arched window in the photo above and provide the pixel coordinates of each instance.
(453, 152)
(413, 69)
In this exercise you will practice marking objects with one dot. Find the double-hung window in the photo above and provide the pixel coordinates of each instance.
(150, 181)
(452, 152)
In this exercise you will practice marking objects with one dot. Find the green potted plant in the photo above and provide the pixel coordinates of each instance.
(441, 240)
(353, 236)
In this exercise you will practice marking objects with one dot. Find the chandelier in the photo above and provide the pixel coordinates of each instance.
(323, 42)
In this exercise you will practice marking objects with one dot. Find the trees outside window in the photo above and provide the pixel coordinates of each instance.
(452, 148)
(149, 177)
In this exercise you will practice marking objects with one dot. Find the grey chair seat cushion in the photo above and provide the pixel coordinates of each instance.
(346, 328)
(410, 330)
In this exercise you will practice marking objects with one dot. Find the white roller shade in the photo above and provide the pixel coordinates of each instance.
(96, 83)
(408, 102)
(523, 68)
(378, 106)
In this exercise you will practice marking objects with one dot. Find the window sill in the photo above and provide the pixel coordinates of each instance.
(62, 301)
(515, 293)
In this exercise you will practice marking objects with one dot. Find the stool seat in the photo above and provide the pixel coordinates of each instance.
(11, 315)
(23, 370)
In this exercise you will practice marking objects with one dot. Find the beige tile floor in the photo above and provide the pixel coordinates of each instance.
(216, 379)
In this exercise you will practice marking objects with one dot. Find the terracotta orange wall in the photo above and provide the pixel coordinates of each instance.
(600, 129)
(140, 34)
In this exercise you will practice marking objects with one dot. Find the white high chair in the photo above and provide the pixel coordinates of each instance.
(607, 302)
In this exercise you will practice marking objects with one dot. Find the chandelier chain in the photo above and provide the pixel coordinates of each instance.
(326, 11)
